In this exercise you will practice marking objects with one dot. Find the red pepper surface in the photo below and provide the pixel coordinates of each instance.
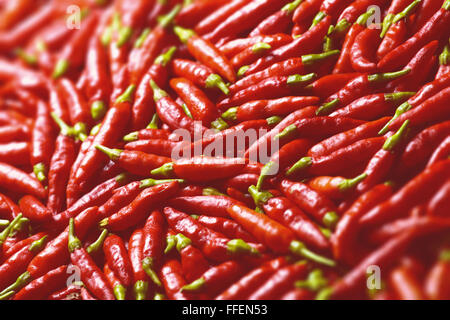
(18, 181)
(213, 206)
(159, 147)
(436, 283)
(441, 152)
(234, 47)
(227, 227)
(34, 210)
(23, 243)
(137, 210)
(197, 11)
(171, 275)
(115, 283)
(116, 256)
(91, 275)
(362, 53)
(135, 252)
(153, 246)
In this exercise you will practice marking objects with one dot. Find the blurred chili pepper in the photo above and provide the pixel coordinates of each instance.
(171, 275)
(212, 206)
(196, 11)
(234, 47)
(436, 282)
(441, 152)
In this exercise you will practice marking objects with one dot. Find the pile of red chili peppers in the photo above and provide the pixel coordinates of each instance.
(354, 203)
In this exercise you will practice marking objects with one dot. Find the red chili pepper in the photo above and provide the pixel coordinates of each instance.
(216, 279)
(436, 281)
(171, 275)
(444, 63)
(42, 287)
(147, 134)
(214, 245)
(227, 227)
(403, 53)
(18, 181)
(213, 206)
(191, 13)
(86, 295)
(405, 284)
(14, 133)
(252, 13)
(91, 275)
(234, 47)
(144, 106)
(34, 210)
(23, 243)
(271, 88)
(72, 55)
(395, 7)
(136, 211)
(199, 74)
(441, 152)
(307, 42)
(135, 251)
(116, 256)
(417, 190)
(394, 37)
(363, 50)
(280, 282)
(115, 283)
(110, 132)
(201, 107)
(15, 153)
(158, 147)
(69, 293)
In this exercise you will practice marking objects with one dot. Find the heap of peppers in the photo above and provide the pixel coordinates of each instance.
(354, 94)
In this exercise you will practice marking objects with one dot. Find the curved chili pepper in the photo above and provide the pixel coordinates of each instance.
(234, 47)
(420, 188)
(42, 287)
(227, 227)
(171, 275)
(158, 147)
(441, 152)
(147, 134)
(214, 245)
(115, 283)
(213, 205)
(363, 51)
(357, 88)
(135, 251)
(394, 37)
(191, 13)
(136, 211)
(15, 153)
(396, 58)
(20, 182)
(23, 243)
(69, 293)
(34, 210)
(216, 279)
(394, 8)
(271, 88)
(91, 275)
(444, 63)
(436, 283)
(307, 42)
(116, 256)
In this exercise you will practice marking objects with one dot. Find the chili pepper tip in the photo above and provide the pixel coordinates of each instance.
(120, 292)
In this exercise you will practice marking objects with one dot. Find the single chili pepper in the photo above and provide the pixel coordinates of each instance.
(394, 37)
(216, 279)
(196, 11)
(421, 147)
(153, 245)
(213, 205)
(91, 275)
(206, 53)
(18, 181)
(442, 152)
(363, 51)
(135, 251)
(396, 58)
(147, 134)
(160, 147)
(202, 169)
(60, 166)
(34, 210)
(436, 281)
(214, 245)
(15, 153)
(23, 243)
(373, 106)
(171, 275)
(444, 63)
(144, 107)
(4, 235)
(198, 103)
(110, 132)
(96, 197)
(329, 84)
(226, 227)
(42, 287)
(307, 42)
(241, 182)
(289, 215)
(252, 13)
(136, 211)
(11, 208)
(283, 68)
(135, 162)
(357, 88)
(271, 88)
(115, 283)
(18, 262)
(116, 256)
(280, 282)
(199, 74)
(98, 85)
(17, 232)
(278, 22)
(420, 68)
(380, 165)
(395, 7)
(335, 187)
(427, 9)
(72, 55)
(214, 19)
(250, 55)
(14, 133)
(431, 110)
(70, 293)
(274, 235)
(420, 188)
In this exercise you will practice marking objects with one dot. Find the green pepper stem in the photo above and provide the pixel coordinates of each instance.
(400, 110)
(216, 81)
(165, 170)
(98, 110)
(444, 57)
(127, 96)
(142, 37)
(394, 140)
(298, 79)
(379, 77)
(330, 219)
(5, 233)
(159, 296)
(398, 96)
(165, 58)
(183, 34)
(73, 243)
(147, 183)
(348, 184)
(95, 246)
(259, 197)
(239, 246)
(182, 241)
(20, 282)
(230, 114)
(261, 47)
(387, 23)
(147, 265)
(38, 244)
(274, 120)
(186, 110)
(60, 69)
(406, 12)
(314, 282)
(289, 131)
(195, 285)
(131, 137)
(327, 107)
(319, 17)
(310, 59)
(242, 70)
(125, 34)
(298, 248)
(219, 124)
(140, 289)
(158, 93)
(166, 20)
(301, 164)
(154, 123)
(212, 192)
(113, 154)
(291, 7)
(40, 171)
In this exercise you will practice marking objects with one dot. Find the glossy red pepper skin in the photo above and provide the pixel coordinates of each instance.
(405, 284)
(279, 283)
(23, 243)
(135, 252)
(311, 39)
(441, 152)
(396, 58)
(394, 37)
(14, 133)
(69, 293)
(34, 210)
(116, 256)
(20, 182)
(137, 210)
(420, 188)
(171, 275)
(214, 206)
(160, 147)
(154, 231)
(436, 283)
(77, 104)
(234, 47)
(198, 103)
(15, 153)
(210, 22)
(227, 227)
(362, 53)
(41, 288)
(56, 253)
(198, 11)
